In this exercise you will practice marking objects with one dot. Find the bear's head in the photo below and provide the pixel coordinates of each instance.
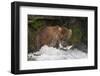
(65, 35)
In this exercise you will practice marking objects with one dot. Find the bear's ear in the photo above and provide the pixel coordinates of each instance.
(60, 29)
(69, 33)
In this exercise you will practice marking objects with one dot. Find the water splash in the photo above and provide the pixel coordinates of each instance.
(50, 53)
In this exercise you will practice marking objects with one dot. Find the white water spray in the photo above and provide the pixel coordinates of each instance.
(50, 53)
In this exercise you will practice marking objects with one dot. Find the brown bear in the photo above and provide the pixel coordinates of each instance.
(53, 36)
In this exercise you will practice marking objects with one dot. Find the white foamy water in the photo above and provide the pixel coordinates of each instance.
(50, 53)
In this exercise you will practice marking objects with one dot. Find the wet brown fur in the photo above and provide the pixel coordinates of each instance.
(51, 36)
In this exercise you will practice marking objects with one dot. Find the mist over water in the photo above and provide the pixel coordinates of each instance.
(50, 53)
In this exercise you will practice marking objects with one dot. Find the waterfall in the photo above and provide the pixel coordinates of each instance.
(51, 53)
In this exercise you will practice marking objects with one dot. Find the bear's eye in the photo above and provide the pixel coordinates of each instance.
(64, 39)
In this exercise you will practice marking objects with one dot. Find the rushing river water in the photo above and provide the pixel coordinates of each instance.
(50, 53)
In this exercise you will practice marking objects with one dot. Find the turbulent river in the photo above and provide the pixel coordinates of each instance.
(50, 53)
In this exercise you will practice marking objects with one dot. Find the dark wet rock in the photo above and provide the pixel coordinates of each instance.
(81, 47)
